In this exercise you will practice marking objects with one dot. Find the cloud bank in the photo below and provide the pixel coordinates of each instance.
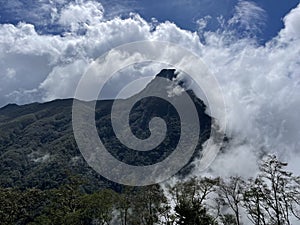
(260, 83)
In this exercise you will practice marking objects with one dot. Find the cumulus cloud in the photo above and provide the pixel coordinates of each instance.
(291, 22)
(260, 83)
(79, 13)
(261, 92)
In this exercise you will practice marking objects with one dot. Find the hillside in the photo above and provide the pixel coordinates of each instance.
(38, 149)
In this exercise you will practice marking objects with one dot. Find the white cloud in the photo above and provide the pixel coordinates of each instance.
(248, 16)
(10, 73)
(261, 92)
(242, 161)
(62, 80)
(291, 30)
(202, 23)
(79, 13)
(260, 83)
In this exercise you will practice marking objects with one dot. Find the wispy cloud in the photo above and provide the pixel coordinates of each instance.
(249, 17)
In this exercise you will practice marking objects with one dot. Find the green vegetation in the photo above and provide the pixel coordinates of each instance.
(38, 149)
(272, 197)
(44, 179)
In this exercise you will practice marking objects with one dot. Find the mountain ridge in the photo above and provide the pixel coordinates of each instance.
(38, 149)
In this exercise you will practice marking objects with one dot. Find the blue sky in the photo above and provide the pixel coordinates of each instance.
(42, 38)
(251, 47)
(184, 13)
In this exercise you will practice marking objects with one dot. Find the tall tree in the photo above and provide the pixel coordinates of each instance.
(190, 198)
(98, 207)
(148, 205)
(274, 195)
(254, 201)
(230, 191)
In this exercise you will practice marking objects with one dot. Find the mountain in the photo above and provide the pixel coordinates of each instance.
(38, 148)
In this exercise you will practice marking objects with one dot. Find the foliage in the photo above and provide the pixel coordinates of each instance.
(42, 170)
(272, 197)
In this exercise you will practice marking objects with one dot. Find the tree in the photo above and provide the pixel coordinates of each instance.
(254, 202)
(231, 193)
(148, 205)
(64, 204)
(190, 197)
(98, 207)
(228, 219)
(21, 207)
(274, 195)
(9, 207)
(124, 204)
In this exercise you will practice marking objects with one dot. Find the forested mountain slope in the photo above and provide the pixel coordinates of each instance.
(38, 149)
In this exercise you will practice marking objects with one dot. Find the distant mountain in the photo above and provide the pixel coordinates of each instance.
(38, 149)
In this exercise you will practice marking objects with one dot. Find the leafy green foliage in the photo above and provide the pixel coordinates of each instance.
(42, 171)
(38, 149)
(190, 197)
(195, 201)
